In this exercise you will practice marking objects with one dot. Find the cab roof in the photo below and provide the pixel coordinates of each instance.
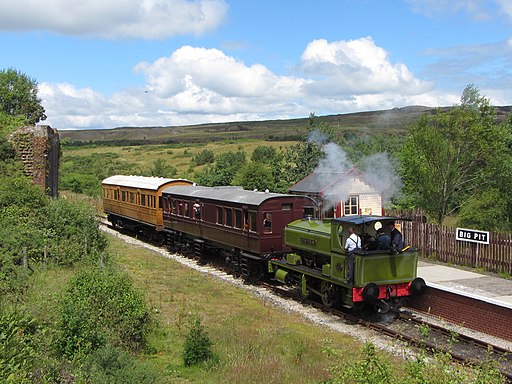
(365, 219)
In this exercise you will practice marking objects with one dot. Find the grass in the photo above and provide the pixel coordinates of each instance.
(253, 341)
(179, 156)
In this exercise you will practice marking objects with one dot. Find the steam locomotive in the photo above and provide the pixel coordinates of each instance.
(266, 235)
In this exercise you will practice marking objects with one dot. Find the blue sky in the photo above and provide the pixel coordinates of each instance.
(109, 63)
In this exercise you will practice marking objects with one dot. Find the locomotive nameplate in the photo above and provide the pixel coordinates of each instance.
(308, 241)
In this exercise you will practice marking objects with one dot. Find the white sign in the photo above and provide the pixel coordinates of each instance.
(472, 235)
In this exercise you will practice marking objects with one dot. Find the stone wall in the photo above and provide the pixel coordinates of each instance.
(38, 147)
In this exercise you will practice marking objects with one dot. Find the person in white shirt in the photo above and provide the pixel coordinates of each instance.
(352, 244)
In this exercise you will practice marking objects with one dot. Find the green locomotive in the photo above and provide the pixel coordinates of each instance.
(318, 263)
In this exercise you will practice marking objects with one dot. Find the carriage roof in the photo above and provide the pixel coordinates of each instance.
(227, 194)
(142, 182)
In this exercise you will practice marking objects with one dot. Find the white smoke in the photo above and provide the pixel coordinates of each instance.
(376, 171)
(379, 173)
(335, 160)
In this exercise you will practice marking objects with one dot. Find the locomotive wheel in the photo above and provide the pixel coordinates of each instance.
(303, 288)
(327, 293)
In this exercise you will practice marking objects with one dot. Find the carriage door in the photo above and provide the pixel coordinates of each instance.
(246, 226)
(286, 213)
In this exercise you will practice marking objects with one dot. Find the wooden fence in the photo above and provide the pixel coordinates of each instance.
(439, 241)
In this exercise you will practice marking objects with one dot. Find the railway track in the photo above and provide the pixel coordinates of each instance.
(418, 333)
(407, 327)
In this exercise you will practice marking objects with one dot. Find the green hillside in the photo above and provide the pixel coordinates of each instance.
(377, 122)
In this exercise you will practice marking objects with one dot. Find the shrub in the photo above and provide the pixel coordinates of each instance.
(100, 307)
(197, 344)
(111, 365)
(206, 156)
(22, 358)
(73, 232)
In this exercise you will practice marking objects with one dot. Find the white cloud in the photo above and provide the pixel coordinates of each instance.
(355, 67)
(206, 80)
(112, 19)
(199, 85)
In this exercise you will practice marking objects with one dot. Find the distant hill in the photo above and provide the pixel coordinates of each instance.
(392, 121)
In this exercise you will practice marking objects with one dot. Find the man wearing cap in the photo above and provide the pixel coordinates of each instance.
(397, 242)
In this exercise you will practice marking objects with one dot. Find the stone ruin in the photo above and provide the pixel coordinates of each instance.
(38, 147)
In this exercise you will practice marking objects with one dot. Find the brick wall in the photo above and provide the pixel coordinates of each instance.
(38, 147)
(465, 311)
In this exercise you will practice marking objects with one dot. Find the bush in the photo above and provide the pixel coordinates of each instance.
(206, 156)
(263, 154)
(111, 365)
(81, 183)
(197, 345)
(22, 359)
(100, 307)
(73, 232)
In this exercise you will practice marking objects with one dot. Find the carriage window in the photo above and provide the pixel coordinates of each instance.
(123, 195)
(238, 218)
(187, 210)
(132, 197)
(116, 195)
(267, 222)
(220, 216)
(253, 222)
(286, 207)
(229, 217)
(351, 205)
(173, 206)
(197, 211)
(143, 200)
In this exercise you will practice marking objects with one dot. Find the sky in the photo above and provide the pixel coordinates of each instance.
(111, 63)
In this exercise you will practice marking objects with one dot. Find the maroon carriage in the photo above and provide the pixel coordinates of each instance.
(244, 227)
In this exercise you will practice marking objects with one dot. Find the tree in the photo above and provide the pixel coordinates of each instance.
(206, 156)
(455, 155)
(255, 176)
(18, 96)
(263, 154)
(161, 169)
(223, 171)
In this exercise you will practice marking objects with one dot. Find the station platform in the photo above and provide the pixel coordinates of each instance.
(487, 288)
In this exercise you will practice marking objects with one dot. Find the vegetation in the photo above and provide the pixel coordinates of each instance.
(198, 346)
(18, 97)
(100, 307)
(453, 158)
(75, 307)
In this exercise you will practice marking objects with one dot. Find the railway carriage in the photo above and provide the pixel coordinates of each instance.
(244, 227)
(135, 202)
